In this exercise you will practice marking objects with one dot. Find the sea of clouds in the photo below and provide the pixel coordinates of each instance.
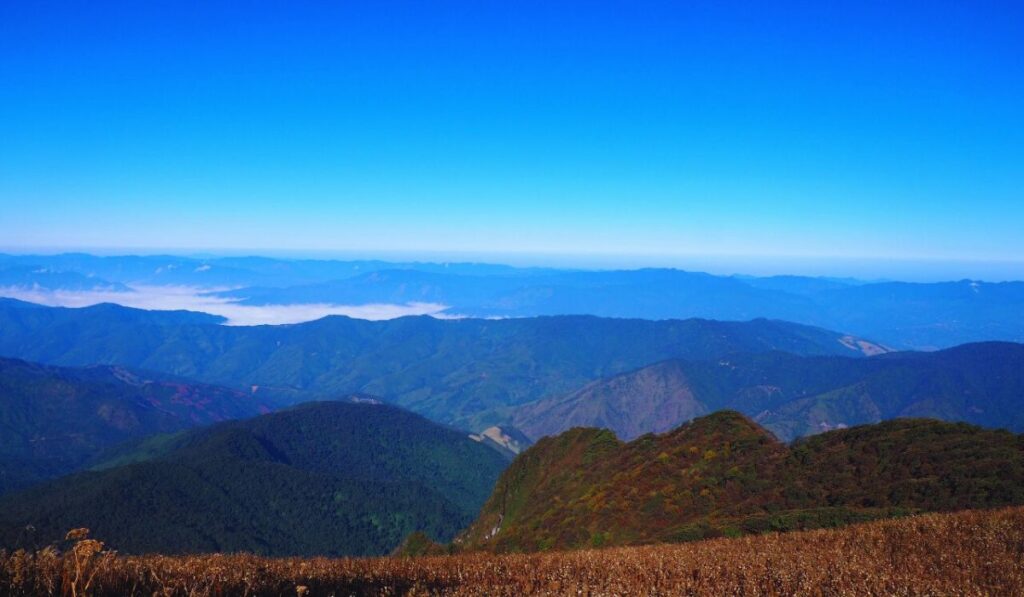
(189, 298)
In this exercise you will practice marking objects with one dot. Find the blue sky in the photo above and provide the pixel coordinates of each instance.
(641, 129)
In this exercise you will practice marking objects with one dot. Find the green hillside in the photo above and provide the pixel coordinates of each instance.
(463, 372)
(335, 478)
(724, 475)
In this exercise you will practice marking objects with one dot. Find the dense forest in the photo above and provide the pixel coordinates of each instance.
(466, 372)
(55, 420)
(337, 478)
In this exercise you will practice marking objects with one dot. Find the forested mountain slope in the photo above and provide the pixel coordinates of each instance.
(722, 474)
(331, 478)
(54, 420)
(791, 395)
(463, 372)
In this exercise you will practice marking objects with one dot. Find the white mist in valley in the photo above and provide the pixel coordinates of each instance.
(169, 298)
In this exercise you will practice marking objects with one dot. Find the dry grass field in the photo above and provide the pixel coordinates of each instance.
(963, 553)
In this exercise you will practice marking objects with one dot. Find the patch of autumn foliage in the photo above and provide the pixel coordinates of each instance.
(962, 553)
(724, 475)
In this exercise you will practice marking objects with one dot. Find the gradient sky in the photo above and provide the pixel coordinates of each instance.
(818, 129)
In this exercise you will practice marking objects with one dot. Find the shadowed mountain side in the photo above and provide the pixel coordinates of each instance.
(54, 420)
(792, 396)
(652, 399)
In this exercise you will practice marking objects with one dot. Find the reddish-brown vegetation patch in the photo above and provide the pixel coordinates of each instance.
(964, 553)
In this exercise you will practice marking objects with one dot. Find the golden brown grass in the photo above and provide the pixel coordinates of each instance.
(964, 553)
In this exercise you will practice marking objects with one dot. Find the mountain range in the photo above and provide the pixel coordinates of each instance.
(174, 432)
(469, 373)
(723, 475)
(792, 396)
(333, 478)
(902, 315)
(122, 271)
(55, 420)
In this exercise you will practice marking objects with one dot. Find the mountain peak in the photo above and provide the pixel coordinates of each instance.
(724, 421)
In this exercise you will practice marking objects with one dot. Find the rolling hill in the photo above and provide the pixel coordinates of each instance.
(980, 383)
(722, 474)
(54, 420)
(334, 478)
(466, 372)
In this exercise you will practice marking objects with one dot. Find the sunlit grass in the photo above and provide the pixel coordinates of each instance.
(964, 553)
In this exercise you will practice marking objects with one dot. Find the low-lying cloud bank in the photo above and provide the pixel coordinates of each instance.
(166, 298)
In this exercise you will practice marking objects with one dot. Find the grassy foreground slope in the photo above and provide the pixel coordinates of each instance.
(724, 475)
(962, 553)
(331, 478)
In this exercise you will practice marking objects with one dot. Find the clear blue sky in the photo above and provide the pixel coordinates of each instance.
(821, 129)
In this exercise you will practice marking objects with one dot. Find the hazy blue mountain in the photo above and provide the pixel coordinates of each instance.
(33, 315)
(54, 420)
(902, 315)
(926, 316)
(793, 396)
(141, 270)
(647, 294)
(388, 286)
(338, 478)
(464, 372)
(41, 278)
(905, 315)
(801, 285)
(220, 272)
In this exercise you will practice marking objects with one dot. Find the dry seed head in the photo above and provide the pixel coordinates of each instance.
(77, 534)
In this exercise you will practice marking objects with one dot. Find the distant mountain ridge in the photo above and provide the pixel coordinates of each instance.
(55, 420)
(980, 383)
(723, 475)
(41, 278)
(462, 372)
(904, 315)
(222, 272)
(333, 478)
(901, 314)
